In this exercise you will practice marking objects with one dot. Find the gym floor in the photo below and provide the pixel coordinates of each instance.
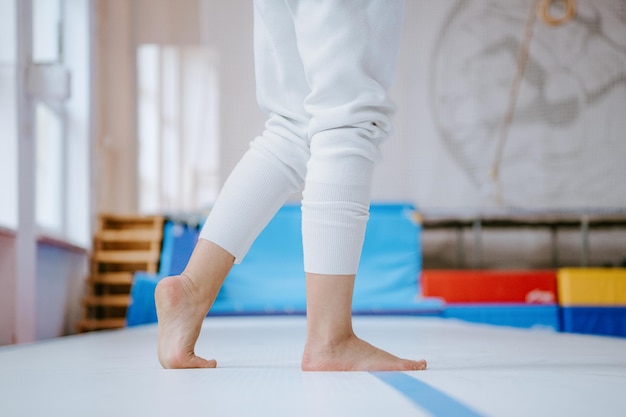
(474, 370)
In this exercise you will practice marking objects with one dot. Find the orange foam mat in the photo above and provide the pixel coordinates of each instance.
(486, 286)
(474, 370)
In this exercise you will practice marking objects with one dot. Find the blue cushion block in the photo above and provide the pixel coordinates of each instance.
(391, 262)
(608, 321)
(142, 309)
(513, 315)
(178, 243)
(271, 278)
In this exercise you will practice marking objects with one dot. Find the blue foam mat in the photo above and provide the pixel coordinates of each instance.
(513, 315)
(270, 280)
(271, 277)
(142, 309)
(599, 320)
(178, 243)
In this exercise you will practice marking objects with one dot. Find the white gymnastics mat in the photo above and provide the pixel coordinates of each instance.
(474, 370)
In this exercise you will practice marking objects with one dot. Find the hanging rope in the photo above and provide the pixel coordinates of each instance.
(541, 9)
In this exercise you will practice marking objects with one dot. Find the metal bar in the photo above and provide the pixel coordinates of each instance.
(584, 231)
(554, 238)
(478, 250)
(460, 247)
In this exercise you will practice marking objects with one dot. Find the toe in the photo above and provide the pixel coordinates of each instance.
(419, 365)
(203, 363)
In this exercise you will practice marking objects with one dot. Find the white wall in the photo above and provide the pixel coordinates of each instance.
(227, 27)
(422, 154)
(60, 285)
(115, 144)
(61, 275)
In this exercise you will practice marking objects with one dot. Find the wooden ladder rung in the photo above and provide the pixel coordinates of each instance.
(112, 278)
(101, 324)
(118, 300)
(113, 221)
(138, 235)
(126, 256)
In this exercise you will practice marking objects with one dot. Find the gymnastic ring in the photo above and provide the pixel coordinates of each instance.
(547, 18)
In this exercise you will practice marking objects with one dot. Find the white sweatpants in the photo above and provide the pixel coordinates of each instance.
(323, 68)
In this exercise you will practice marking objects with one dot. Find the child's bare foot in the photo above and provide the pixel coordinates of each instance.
(180, 310)
(354, 354)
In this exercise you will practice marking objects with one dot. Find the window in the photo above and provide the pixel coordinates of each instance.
(50, 168)
(57, 83)
(178, 144)
(46, 31)
(49, 103)
(8, 125)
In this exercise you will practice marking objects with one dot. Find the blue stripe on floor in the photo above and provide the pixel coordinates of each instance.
(426, 397)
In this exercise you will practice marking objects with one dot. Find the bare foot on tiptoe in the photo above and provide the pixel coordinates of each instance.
(354, 354)
(180, 310)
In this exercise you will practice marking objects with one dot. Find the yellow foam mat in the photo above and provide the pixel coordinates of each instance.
(592, 286)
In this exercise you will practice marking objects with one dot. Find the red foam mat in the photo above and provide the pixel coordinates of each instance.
(479, 286)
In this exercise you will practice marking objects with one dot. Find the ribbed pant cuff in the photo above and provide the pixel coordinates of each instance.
(334, 218)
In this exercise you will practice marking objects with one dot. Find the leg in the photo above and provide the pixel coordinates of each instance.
(331, 344)
(183, 301)
(275, 165)
(348, 51)
(273, 168)
(254, 191)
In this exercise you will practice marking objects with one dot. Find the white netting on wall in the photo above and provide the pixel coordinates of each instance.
(565, 147)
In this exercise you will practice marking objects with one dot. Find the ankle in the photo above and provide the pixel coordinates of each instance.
(206, 270)
(196, 287)
(190, 284)
(328, 341)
